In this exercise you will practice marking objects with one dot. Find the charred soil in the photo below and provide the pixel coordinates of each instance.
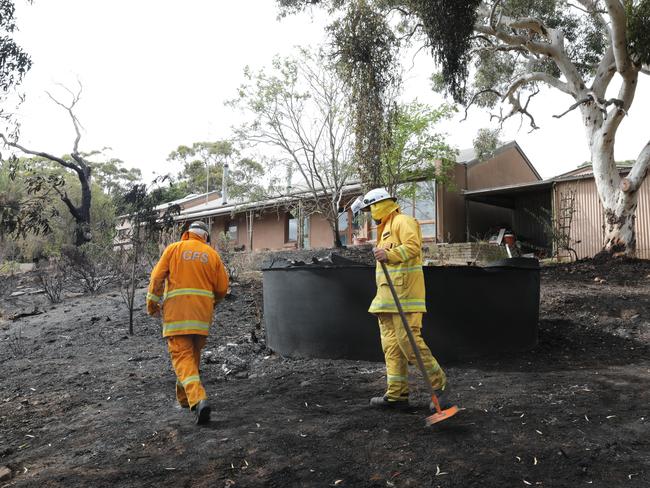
(82, 403)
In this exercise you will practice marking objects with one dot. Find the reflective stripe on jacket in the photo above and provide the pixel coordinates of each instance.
(189, 279)
(401, 237)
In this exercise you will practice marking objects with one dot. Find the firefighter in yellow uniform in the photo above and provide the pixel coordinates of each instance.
(399, 245)
(189, 279)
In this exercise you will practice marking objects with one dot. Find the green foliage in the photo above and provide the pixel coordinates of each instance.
(32, 213)
(203, 164)
(113, 177)
(23, 211)
(14, 62)
(365, 49)
(414, 150)
(486, 142)
(447, 26)
(147, 221)
(638, 29)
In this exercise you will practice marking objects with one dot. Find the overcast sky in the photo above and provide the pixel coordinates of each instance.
(156, 75)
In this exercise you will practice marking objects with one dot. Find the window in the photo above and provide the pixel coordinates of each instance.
(292, 229)
(343, 228)
(305, 233)
(232, 232)
(421, 205)
(349, 227)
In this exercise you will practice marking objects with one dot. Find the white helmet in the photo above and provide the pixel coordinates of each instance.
(373, 196)
(199, 228)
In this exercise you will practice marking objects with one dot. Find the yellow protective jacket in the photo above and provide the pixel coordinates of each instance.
(401, 237)
(190, 279)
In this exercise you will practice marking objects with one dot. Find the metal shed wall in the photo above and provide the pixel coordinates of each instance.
(588, 220)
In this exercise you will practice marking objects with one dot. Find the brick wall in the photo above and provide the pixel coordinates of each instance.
(463, 252)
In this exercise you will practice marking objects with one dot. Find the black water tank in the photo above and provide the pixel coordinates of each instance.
(321, 311)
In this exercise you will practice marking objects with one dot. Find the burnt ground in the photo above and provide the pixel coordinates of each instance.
(82, 403)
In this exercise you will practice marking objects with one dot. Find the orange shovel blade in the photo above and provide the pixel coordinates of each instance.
(441, 415)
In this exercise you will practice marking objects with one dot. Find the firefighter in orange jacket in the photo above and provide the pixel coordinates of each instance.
(190, 280)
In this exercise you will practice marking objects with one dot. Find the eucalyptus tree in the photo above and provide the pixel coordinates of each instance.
(592, 51)
(14, 61)
(203, 166)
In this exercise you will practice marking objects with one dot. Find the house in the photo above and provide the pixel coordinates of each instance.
(571, 201)
(124, 224)
(442, 210)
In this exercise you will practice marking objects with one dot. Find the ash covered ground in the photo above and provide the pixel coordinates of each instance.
(82, 403)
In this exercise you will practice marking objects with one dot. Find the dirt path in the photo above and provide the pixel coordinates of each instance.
(84, 404)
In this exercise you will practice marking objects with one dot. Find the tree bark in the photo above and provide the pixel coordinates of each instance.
(618, 197)
(82, 228)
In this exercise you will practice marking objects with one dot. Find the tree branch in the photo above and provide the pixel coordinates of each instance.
(600, 103)
(640, 169)
(604, 73)
(619, 41)
(68, 108)
(71, 206)
(475, 96)
(541, 77)
(531, 24)
(45, 155)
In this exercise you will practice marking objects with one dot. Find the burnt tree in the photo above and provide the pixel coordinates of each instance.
(78, 164)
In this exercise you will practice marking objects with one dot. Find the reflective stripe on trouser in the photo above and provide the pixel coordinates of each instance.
(185, 352)
(398, 354)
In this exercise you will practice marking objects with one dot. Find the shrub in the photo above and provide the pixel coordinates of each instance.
(51, 277)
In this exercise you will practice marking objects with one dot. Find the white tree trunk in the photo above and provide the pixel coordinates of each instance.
(618, 197)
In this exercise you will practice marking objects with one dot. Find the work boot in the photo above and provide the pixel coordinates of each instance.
(444, 398)
(201, 412)
(384, 402)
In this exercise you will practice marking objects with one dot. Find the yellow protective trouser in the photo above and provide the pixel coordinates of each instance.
(185, 352)
(399, 354)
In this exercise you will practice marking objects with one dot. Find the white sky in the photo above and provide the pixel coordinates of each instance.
(156, 73)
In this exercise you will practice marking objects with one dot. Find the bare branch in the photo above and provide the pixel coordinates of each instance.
(494, 8)
(68, 108)
(587, 99)
(40, 154)
(554, 48)
(537, 77)
(578, 7)
(600, 103)
(640, 168)
(532, 24)
(475, 97)
(74, 211)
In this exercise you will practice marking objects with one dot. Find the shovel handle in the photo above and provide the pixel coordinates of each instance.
(409, 332)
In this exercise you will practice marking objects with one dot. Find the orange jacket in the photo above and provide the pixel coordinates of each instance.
(190, 279)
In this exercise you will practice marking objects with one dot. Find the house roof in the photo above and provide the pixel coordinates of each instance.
(185, 199)
(500, 194)
(214, 208)
(501, 149)
(588, 171)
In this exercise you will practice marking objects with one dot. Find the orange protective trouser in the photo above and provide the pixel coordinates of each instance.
(185, 352)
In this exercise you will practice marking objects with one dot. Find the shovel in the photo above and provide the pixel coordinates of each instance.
(440, 414)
